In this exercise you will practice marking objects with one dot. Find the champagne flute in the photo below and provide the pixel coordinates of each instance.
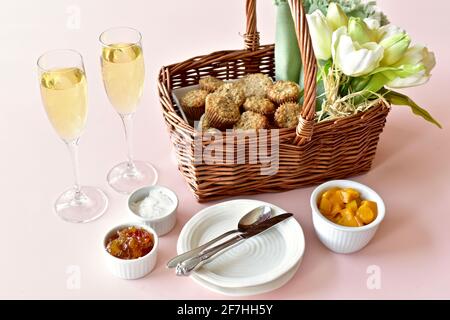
(123, 72)
(63, 89)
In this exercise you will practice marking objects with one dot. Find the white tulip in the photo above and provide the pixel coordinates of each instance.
(321, 34)
(416, 55)
(352, 58)
(395, 48)
(359, 31)
(336, 17)
(385, 32)
(372, 23)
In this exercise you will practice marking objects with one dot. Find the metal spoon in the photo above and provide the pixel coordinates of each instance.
(187, 266)
(252, 218)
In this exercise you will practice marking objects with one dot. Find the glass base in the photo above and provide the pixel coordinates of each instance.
(127, 177)
(87, 205)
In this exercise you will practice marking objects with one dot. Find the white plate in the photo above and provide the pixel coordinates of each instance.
(249, 291)
(256, 262)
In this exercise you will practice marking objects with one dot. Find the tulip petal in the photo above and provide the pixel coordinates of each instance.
(413, 55)
(417, 55)
(429, 61)
(395, 48)
(373, 24)
(336, 17)
(321, 34)
(354, 60)
(385, 32)
(359, 31)
(413, 81)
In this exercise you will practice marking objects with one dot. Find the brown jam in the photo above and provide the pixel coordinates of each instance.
(130, 243)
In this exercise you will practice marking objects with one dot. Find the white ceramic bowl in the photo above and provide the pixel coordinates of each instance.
(345, 239)
(162, 225)
(135, 268)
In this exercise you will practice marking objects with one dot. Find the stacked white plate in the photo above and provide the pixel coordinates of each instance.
(260, 264)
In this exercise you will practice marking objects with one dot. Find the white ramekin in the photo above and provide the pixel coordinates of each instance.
(161, 225)
(345, 239)
(135, 268)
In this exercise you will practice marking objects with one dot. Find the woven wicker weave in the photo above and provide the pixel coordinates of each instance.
(311, 154)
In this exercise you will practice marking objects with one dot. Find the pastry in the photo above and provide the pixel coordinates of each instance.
(259, 105)
(283, 91)
(193, 103)
(222, 112)
(255, 84)
(232, 91)
(287, 115)
(251, 120)
(210, 84)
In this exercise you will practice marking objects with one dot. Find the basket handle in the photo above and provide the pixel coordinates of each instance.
(306, 119)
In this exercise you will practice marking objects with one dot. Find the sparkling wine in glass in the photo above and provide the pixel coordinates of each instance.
(123, 72)
(63, 86)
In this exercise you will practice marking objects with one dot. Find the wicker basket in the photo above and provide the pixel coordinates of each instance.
(310, 154)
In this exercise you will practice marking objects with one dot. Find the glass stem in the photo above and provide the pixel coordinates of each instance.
(73, 150)
(127, 120)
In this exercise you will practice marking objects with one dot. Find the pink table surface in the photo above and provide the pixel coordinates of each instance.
(411, 169)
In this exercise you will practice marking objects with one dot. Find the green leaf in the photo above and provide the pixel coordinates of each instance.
(374, 85)
(399, 99)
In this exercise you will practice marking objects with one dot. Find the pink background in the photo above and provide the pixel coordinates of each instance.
(411, 170)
